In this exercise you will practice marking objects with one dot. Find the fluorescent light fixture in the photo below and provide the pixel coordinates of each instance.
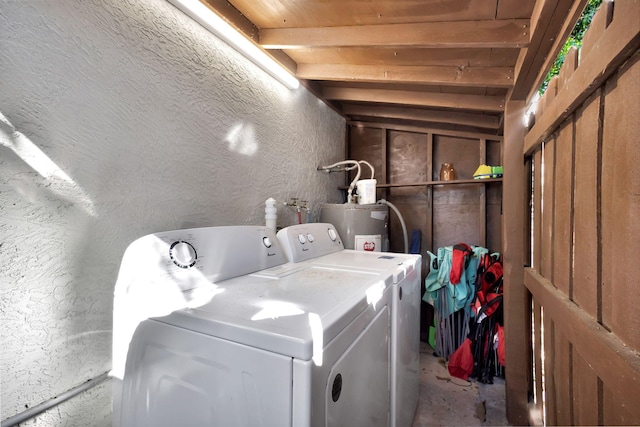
(200, 13)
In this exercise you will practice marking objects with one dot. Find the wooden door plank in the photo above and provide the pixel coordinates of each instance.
(585, 392)
(615, 414)
(599, 23)
(619, 41)
(549, 368)
(537, 361)
(546, 247)
(585, 273)
(621, 204)
(568, 66)
(562, 373)
(615, 362)
(562, 211)
(537, 210)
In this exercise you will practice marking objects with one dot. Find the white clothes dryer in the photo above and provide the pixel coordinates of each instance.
(213, 328)
(298, 242)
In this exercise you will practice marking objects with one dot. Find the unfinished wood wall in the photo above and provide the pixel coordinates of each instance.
(407, 163)
(584, 277)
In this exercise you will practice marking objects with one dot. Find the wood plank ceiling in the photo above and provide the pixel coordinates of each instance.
(439, 64)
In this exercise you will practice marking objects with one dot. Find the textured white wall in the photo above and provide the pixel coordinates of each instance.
(120, 118)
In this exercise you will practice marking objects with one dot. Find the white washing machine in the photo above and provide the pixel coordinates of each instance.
(404, 271)
(213, 328)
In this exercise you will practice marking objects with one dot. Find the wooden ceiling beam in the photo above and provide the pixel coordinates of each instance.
(434, 75)
(465, 119)
(512, 33)
(416, 98)
(406, 56)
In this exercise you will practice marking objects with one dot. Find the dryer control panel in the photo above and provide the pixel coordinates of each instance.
(187, 259)
(303, 242)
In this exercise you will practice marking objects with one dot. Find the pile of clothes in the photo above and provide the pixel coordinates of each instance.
(464, 285)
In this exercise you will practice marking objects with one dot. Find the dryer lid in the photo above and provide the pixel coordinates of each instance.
(288, 313)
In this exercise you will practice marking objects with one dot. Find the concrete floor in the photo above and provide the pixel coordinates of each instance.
(450, 401)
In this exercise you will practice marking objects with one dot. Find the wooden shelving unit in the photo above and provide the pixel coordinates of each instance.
(434, 183)
(406, 164)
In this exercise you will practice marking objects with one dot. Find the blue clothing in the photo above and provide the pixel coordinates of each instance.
(458, 296)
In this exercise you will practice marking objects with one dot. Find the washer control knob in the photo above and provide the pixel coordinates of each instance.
(310, 238)
(332, 234)
(183, 254)
(302, 239)
(267, 242)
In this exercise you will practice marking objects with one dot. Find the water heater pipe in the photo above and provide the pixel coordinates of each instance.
(404, 227)
(353, 165)
(373, 171)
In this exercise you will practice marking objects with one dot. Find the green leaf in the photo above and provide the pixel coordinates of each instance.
(575, 39)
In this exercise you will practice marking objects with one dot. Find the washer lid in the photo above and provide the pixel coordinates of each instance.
(285, 312)
(398, 265)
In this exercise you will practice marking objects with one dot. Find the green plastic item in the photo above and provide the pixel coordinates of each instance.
(432, 336)
(432, 332)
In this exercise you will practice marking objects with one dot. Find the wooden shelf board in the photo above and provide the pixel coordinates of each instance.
(433, 183)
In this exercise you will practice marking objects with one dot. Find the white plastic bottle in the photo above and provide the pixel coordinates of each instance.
(270, 213)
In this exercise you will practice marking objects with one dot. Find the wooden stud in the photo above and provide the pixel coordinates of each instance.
(516, 308)
(483, 196)
(429, 190)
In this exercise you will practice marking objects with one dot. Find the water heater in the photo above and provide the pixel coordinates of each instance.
(361, 227)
